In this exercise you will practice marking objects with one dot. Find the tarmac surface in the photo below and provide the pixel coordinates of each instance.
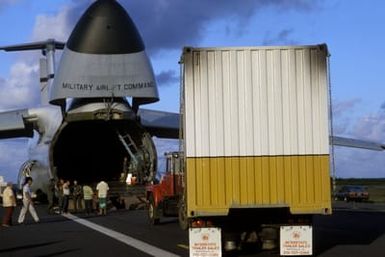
(354, 229)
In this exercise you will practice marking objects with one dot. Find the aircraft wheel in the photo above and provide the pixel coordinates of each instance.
(153, 214)
(182, 216)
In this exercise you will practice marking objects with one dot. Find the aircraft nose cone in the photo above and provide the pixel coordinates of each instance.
(105, 28)
(104, 58)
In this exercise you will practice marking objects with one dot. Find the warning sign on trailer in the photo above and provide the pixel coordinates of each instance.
(296, 240)
(205, 242)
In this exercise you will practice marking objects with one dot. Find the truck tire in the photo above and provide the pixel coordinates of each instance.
(153, 213)
(182, 216)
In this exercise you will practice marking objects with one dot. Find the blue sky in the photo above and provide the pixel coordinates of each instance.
(352, 29)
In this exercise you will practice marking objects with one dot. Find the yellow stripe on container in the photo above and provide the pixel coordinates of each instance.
(216, 184)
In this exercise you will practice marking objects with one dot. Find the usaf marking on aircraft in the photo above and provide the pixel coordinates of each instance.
(86, 129)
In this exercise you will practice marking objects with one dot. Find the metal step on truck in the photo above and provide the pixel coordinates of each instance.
(255, 161)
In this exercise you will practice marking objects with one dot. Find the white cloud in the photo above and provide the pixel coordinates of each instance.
(20, 89)
(356, 162)
(12, 154)
(371, 126)
(343, 112)
(52, 26)
(342, 107)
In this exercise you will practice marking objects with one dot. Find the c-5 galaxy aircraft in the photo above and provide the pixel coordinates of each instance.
(86, 128)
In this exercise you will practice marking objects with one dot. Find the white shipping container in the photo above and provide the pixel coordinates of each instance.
(256, 101)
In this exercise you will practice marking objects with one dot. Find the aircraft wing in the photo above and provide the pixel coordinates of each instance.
(356, 143)
(16, 123)
(159, 123)
(166, 124)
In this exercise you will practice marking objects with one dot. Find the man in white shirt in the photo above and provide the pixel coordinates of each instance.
(9, 203)
(102, 188)
(27, 202)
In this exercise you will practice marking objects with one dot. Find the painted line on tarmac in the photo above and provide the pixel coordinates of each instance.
(135, 243)
(186, 247)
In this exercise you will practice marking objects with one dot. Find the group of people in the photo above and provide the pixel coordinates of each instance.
(63, 191)
(58, 193)
(9, 203)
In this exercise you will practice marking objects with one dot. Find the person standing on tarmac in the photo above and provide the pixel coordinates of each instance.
(51, 195)
(59, 193)
(102, 188)
(88, 195)
(27, 202)
(9, 203)
(77, 196)
(66, 196)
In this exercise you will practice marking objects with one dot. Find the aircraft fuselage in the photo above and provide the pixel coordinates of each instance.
(85, 144)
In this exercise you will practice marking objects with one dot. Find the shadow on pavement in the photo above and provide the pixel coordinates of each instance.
(27, 247)
(60, 253)
(347, 228)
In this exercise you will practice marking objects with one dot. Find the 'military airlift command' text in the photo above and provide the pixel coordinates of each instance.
(107, 87)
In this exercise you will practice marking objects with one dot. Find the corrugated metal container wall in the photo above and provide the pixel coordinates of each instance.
(256, 129)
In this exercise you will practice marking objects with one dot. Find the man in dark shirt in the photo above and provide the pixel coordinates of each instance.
(77, 196)
(51, 195)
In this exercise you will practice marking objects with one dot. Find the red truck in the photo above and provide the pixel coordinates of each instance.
(165, 198)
